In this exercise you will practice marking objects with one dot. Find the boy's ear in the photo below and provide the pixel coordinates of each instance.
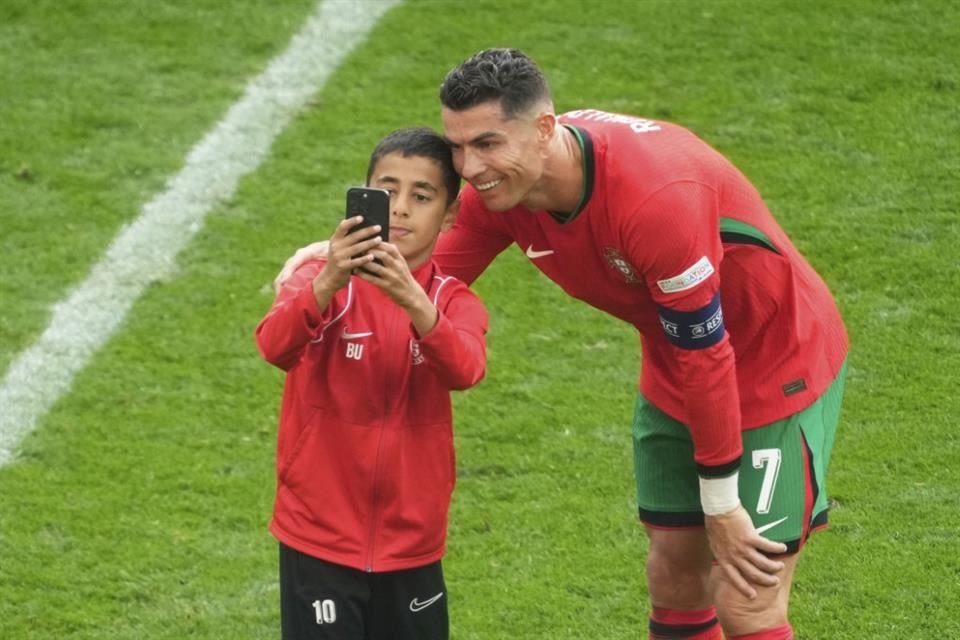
(450, 215)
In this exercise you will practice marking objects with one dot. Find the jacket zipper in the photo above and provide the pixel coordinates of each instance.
(397, 316)
(383, 382)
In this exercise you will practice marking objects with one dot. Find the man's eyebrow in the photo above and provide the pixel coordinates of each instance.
(476, 140)
(486, 135)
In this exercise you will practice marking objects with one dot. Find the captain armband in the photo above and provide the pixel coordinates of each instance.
(697, 329)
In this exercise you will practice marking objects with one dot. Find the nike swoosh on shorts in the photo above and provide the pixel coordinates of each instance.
(771, 525)
(416, 605)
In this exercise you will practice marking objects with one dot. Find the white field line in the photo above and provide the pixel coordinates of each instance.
(146, 250)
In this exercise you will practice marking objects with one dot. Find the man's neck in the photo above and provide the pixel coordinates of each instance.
(561, 185)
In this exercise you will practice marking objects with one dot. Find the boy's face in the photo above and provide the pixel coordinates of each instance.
(418, 204)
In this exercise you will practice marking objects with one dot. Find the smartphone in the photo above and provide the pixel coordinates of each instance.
(374, 205)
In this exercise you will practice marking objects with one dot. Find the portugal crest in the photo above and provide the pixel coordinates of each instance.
(617, 261)
(416, 355)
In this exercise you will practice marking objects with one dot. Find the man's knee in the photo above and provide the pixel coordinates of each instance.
(740, 615)
(678, 570)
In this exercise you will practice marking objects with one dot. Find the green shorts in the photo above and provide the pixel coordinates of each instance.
(783, 470)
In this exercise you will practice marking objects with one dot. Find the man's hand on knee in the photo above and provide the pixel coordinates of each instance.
(739, 551)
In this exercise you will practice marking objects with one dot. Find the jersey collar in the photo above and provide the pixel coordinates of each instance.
(586, 153)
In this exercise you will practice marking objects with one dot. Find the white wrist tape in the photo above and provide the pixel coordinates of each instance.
(719, 495)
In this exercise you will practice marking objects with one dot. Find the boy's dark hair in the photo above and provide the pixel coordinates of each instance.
(420, 142)
(495, 74)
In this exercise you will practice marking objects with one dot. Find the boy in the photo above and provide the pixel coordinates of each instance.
(365, 459)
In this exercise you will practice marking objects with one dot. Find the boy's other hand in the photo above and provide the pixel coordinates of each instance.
(395, 279)
(393, 276)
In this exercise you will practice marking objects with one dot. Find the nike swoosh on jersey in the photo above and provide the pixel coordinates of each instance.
(353, 336)
(416, 605)
(771, 525)
(533, 255)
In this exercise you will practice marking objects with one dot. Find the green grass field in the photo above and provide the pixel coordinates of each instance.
(138, 507)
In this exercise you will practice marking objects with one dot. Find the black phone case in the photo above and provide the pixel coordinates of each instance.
(373, 205)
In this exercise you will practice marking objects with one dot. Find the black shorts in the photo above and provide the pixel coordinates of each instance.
(321, 600)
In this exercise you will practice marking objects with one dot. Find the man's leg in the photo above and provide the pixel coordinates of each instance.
(783, 488)
(678, 571)
(763, 618)
(679, 558)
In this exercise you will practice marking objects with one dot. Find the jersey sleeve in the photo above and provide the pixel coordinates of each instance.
(674, 239)
(456, 347)
(294, 320)
(466, 250)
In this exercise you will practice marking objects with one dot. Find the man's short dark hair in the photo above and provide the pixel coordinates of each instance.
(507, 75)
(420, 142)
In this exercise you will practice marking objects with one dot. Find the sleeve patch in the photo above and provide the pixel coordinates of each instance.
(700, 271)
(697, 329)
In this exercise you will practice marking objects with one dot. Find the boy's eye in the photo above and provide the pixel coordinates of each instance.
(421, 198)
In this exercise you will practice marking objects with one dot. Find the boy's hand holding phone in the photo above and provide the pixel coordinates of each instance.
(360, 246)
(366, 224)
(346, 252)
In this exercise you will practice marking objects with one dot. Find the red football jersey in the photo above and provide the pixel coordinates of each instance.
(737, 329)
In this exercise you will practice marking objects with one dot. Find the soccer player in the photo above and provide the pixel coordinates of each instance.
(744, 349)
(365, 459)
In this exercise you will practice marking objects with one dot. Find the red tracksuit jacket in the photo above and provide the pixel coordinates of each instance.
(365, 458)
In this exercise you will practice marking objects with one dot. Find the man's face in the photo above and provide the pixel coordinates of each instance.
(502, 159)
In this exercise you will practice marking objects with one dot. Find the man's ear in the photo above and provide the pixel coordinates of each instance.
(450, 215)
(546, 125)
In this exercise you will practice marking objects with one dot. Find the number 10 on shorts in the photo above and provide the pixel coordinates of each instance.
(326, 611)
